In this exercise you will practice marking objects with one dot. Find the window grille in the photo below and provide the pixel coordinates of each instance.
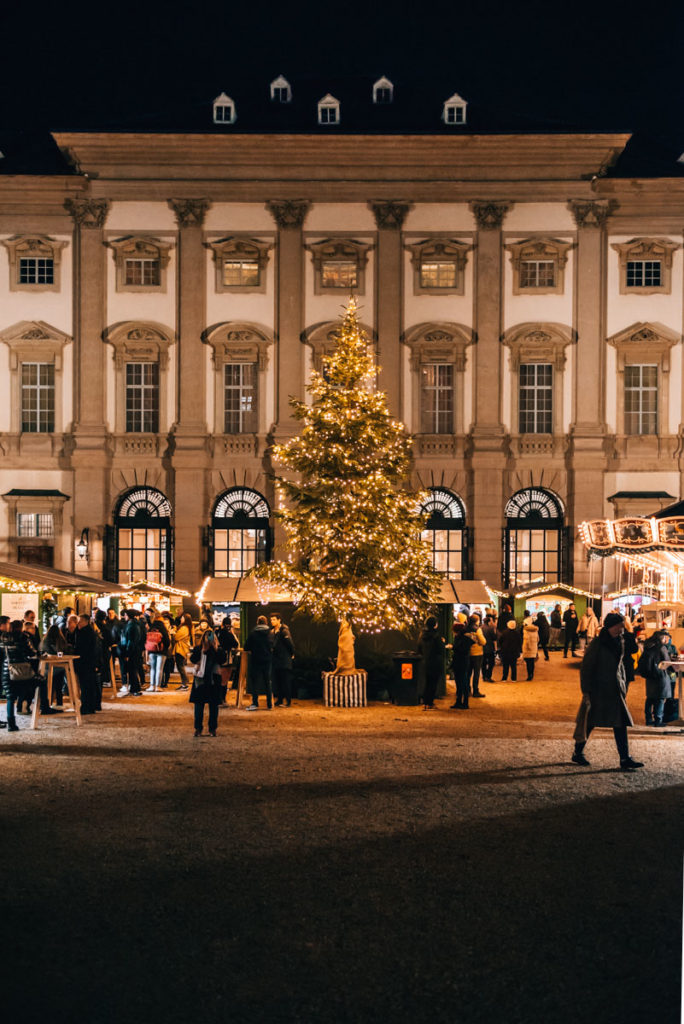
(641, 399)
(37, 398)
(142, 398)
(535, 398)
(437, 393)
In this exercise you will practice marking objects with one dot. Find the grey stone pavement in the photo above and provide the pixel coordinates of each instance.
(328, 865)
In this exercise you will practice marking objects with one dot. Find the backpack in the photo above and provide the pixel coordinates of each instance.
(647, 662)
(155, 642)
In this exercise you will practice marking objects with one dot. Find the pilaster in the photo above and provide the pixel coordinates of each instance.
(389, 218)
(289, 215)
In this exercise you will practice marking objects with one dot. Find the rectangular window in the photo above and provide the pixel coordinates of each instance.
(537, 274)
(240, 398)
(31, 524)
(327, 115)
(37, 398)
(143, 555)
(535, 398)
(438, 399)
(141, 272)
(236, 551)
(142, 398)
(455, 115)
(533, 556)
(438, 275)
(644, 274)
(641, 399)
(339, 274)
(223, 114)
(36, 270)
(241, 272)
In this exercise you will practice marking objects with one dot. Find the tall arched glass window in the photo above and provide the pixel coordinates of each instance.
(140, 544)
(447, 530)
(534, 538)
(240, 536)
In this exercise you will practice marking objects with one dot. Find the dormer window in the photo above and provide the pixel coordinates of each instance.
(224, 110)
(328, 110)
(454, 110)
(383, 91)
(281, 91)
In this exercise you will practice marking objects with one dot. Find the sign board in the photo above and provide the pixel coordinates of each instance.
(406, 670)
(15, 605)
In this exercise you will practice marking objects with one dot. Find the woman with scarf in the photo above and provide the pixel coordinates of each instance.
(207, 685)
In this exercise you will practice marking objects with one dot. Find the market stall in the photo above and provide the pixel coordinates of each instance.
(45, 590)
(141, 594)
(536, 598)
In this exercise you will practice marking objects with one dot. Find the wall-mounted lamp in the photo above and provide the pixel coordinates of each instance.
(82, 547)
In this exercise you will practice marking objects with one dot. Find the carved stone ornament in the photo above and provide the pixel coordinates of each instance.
(190, 213)
(389, 213)
(654, 250)
(644, 343)
(591, 213)
(88, 213)
(140, 342)
(288, 213)
(439, 343)
(34, 340)
(239, 343)
(490, 215)
(538, 343)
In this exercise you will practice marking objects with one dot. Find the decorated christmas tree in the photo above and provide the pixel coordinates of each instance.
(354, 549)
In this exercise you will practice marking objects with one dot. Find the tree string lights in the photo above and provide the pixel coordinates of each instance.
(354, 547)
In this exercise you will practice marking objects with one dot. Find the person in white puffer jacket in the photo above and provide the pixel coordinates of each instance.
(530, 647)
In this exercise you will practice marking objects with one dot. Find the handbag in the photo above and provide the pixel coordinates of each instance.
(20, 671)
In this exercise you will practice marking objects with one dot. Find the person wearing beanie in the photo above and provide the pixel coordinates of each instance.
(460, 661)
(604, 693)
(530, 645)
(510, 646)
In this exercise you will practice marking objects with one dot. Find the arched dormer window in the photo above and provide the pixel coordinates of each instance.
(140, 543)
(281, 90)
(240, 536)
(328, 110)
(447, 530)
(535, 538)
(383, 91)
(454, 110)
(224, 110)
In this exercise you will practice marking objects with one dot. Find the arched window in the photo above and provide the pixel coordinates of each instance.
(239, 536)
(535, 539)
(140, 544)
(447, 530)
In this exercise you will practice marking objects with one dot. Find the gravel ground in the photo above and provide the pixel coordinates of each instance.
(329, 865)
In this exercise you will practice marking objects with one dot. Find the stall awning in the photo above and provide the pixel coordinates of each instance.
(464, 592)
(54, 579)
(233, 590)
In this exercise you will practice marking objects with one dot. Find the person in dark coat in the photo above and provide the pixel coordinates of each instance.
(542, 624)
(55, 642)
(207, 684)
(431, 648)
(16, 650)
(658, 681)
(571, 622)
(489, 653)
(259, 643)
(283, 653)
(229, 642)
(510, 648)
(505, 616)
(85, 647)
(460, 661)
(604, 691)
(132, 645)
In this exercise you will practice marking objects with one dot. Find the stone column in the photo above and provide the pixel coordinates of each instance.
(289, 215)
(190, 458)
(587, 455)
(389, 218)
(90, 457)
(489, 449)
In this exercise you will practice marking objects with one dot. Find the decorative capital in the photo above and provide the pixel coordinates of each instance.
(592, 213)
(288, 213)
(190, 213)
(389, 213)
(490, 216)
(88, 213)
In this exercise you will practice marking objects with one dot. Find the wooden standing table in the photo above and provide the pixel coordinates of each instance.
(65, 661)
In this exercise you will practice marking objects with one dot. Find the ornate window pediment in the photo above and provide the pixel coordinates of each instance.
(644, 343)
(538, 343)
(438, 342)
(645, 265)
(224, 110)
(454, 110)
(328, 110)
(240, 263)
(141, 263)
(138, 341)
(339, 265)
(323, 339)
(539, 265)
(239, 343)
(439, 266)
(34, 262)
(34, 341)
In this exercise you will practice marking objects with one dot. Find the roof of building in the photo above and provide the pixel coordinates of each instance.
(19, 492)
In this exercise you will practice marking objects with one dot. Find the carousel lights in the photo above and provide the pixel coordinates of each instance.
(549, 588)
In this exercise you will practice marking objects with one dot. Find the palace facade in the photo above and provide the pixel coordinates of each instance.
(163, 294)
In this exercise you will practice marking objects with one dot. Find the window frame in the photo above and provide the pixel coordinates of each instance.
(39, 388)
(645, 344)
(383, 85)
(140, 247)
(31, 341)
(538, 342)
(223, 102)
(439, 504)
(242, 521)
(35, 504)
(545, 513)
(433, 419)
(439, 249)
(139, 341)
(642, 391)
(438, 342)
(539, 249)
(455, 105)
(281, 84)
(328, 104)
(535, 390)
(339, 249)
(148, 394)
(242, 249)
(153, 513)
(27, 246)
(240, 342)
(244, 425)
(646, 249)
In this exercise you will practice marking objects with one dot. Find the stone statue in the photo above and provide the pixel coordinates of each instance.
(345, 650)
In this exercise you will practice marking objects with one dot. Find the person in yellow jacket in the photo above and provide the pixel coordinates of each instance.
(474, 632)
(184, 641)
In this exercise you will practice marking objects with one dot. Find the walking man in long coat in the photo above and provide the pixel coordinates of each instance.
(604, 692)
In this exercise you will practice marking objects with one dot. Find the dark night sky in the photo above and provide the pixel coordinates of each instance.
(610, 65)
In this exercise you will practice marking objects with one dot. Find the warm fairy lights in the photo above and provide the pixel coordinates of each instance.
(354, 547)
(652, 547)
(550, 588)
